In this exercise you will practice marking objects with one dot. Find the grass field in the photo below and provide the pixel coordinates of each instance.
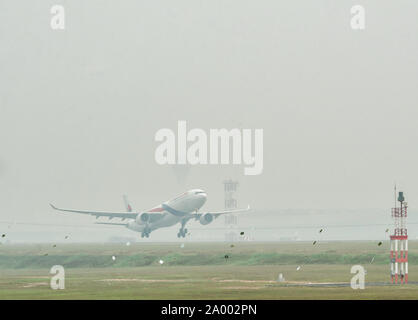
(200, 271)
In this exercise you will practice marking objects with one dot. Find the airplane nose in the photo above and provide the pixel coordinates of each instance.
(203, 197)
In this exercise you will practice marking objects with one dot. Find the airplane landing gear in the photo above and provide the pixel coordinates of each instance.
(182, 233)
(145, 233)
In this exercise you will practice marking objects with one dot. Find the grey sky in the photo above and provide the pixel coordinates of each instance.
(79, 108)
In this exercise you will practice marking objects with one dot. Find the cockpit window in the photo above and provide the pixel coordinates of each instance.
(199, 192)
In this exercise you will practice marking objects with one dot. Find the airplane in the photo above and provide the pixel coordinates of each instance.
(178, 210)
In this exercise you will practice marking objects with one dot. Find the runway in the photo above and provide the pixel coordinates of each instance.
(339, 284)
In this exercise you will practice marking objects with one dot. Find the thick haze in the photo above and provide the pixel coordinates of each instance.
(79, 109)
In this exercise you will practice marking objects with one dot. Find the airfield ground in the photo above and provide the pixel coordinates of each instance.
(242, 270)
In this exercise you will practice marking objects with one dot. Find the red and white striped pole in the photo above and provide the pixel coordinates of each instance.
(399, 244)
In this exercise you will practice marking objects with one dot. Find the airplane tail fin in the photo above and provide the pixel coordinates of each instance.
(127, 205)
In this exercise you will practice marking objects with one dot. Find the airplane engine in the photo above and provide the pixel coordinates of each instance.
(142, 218)
(206, 218)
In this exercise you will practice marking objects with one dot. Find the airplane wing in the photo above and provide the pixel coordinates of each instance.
(218, 213)
(110, 215)
(113, 224)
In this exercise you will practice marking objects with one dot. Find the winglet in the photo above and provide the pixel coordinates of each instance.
(53, 207)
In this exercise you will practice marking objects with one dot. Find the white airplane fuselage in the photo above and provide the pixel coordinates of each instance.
(170, 212)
